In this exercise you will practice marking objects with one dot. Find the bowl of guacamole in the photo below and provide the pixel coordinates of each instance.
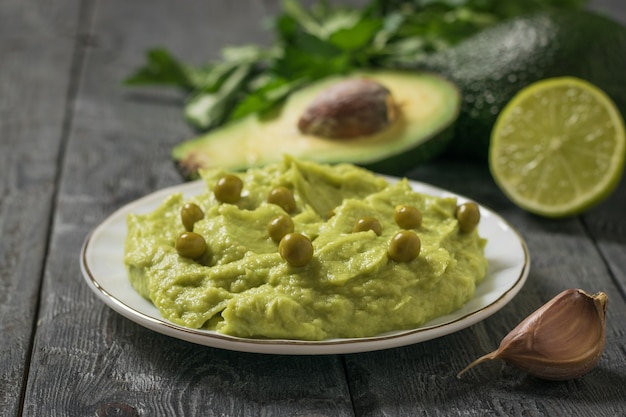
(222, 260)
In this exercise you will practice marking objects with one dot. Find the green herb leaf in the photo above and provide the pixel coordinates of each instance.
(160, 68)
(301, 17)
(207, 110)
(323, 40)
(265, 97)
(356, 37)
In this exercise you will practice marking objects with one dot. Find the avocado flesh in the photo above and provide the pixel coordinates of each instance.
(428, 105)
(493, 65)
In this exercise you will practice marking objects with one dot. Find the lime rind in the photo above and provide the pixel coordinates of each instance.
(523, 184)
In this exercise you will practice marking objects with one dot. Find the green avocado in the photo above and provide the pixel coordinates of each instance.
(493, 65)
(427, 106)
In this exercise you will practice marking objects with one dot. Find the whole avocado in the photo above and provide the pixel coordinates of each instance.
(492, 66)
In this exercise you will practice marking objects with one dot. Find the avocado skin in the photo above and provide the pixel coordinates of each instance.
(493, 65)
(399, 164)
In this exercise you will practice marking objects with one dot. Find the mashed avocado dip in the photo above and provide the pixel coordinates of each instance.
(350, 287)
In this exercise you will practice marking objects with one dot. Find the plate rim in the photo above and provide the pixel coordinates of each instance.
(214, 339)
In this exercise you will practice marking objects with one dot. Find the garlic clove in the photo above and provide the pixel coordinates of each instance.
(561, 340)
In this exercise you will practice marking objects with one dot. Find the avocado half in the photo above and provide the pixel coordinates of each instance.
(427, 106)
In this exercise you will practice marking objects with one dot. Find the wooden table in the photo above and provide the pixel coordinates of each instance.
(75, 145)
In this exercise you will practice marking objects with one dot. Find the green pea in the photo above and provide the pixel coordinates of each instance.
(190, 214)
(468, 216)
(404, 246)
(190, 245)
(279, 226)
(407, 217)
(368, 223)
(296, 249)
(228, 189)
(283, 197)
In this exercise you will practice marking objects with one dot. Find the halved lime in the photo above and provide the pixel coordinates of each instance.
(558, 147)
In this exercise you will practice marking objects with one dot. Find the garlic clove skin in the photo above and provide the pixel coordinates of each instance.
(563, 339)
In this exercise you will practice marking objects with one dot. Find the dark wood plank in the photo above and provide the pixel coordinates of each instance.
(36, 45)
(615, 9)
(87, 359)
(606, 224)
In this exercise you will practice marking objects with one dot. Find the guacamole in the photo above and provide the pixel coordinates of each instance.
(350, 286)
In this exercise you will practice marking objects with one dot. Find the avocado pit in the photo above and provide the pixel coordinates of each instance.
(348, 109)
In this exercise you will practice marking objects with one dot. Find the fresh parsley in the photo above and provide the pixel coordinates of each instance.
(321, 41)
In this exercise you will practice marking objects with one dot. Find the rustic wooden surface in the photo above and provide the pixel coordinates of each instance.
(75, 146)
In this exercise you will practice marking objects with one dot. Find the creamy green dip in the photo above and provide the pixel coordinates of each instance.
(350, 288)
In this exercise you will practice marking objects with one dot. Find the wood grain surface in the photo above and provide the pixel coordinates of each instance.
(75, 145)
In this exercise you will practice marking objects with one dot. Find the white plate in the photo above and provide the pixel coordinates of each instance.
(102, 265)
